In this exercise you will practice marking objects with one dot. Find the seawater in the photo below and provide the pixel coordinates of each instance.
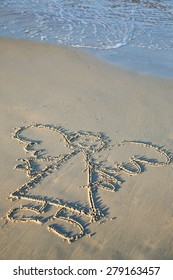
(135, 33)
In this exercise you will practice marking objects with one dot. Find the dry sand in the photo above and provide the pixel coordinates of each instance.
(65, 116)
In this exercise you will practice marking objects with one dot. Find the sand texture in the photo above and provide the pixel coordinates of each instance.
(86, 157)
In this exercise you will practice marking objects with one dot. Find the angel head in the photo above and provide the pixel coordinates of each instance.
(56, 141)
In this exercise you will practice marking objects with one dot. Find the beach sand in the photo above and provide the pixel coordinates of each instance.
(94, 145)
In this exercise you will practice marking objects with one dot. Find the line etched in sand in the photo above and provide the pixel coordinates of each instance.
(98, 177)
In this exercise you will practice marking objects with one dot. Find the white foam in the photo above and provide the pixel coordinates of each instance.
(97, 24)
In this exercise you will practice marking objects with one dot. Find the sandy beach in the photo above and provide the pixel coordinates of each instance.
(86, 157)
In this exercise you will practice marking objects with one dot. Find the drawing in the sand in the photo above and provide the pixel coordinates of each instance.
(39, 165)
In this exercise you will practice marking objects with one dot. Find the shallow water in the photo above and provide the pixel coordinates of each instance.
(105, 27)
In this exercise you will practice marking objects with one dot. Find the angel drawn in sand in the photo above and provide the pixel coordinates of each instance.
(41, 167)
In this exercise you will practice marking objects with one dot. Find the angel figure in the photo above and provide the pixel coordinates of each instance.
(44, 172)
(56, 165)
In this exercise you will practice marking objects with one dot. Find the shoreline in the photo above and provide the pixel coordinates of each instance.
(146, 61)
(86, 156)
(129, 58)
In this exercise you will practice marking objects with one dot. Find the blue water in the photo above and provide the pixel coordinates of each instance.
(134, 33)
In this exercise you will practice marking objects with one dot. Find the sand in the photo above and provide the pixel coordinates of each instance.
(86, 157)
